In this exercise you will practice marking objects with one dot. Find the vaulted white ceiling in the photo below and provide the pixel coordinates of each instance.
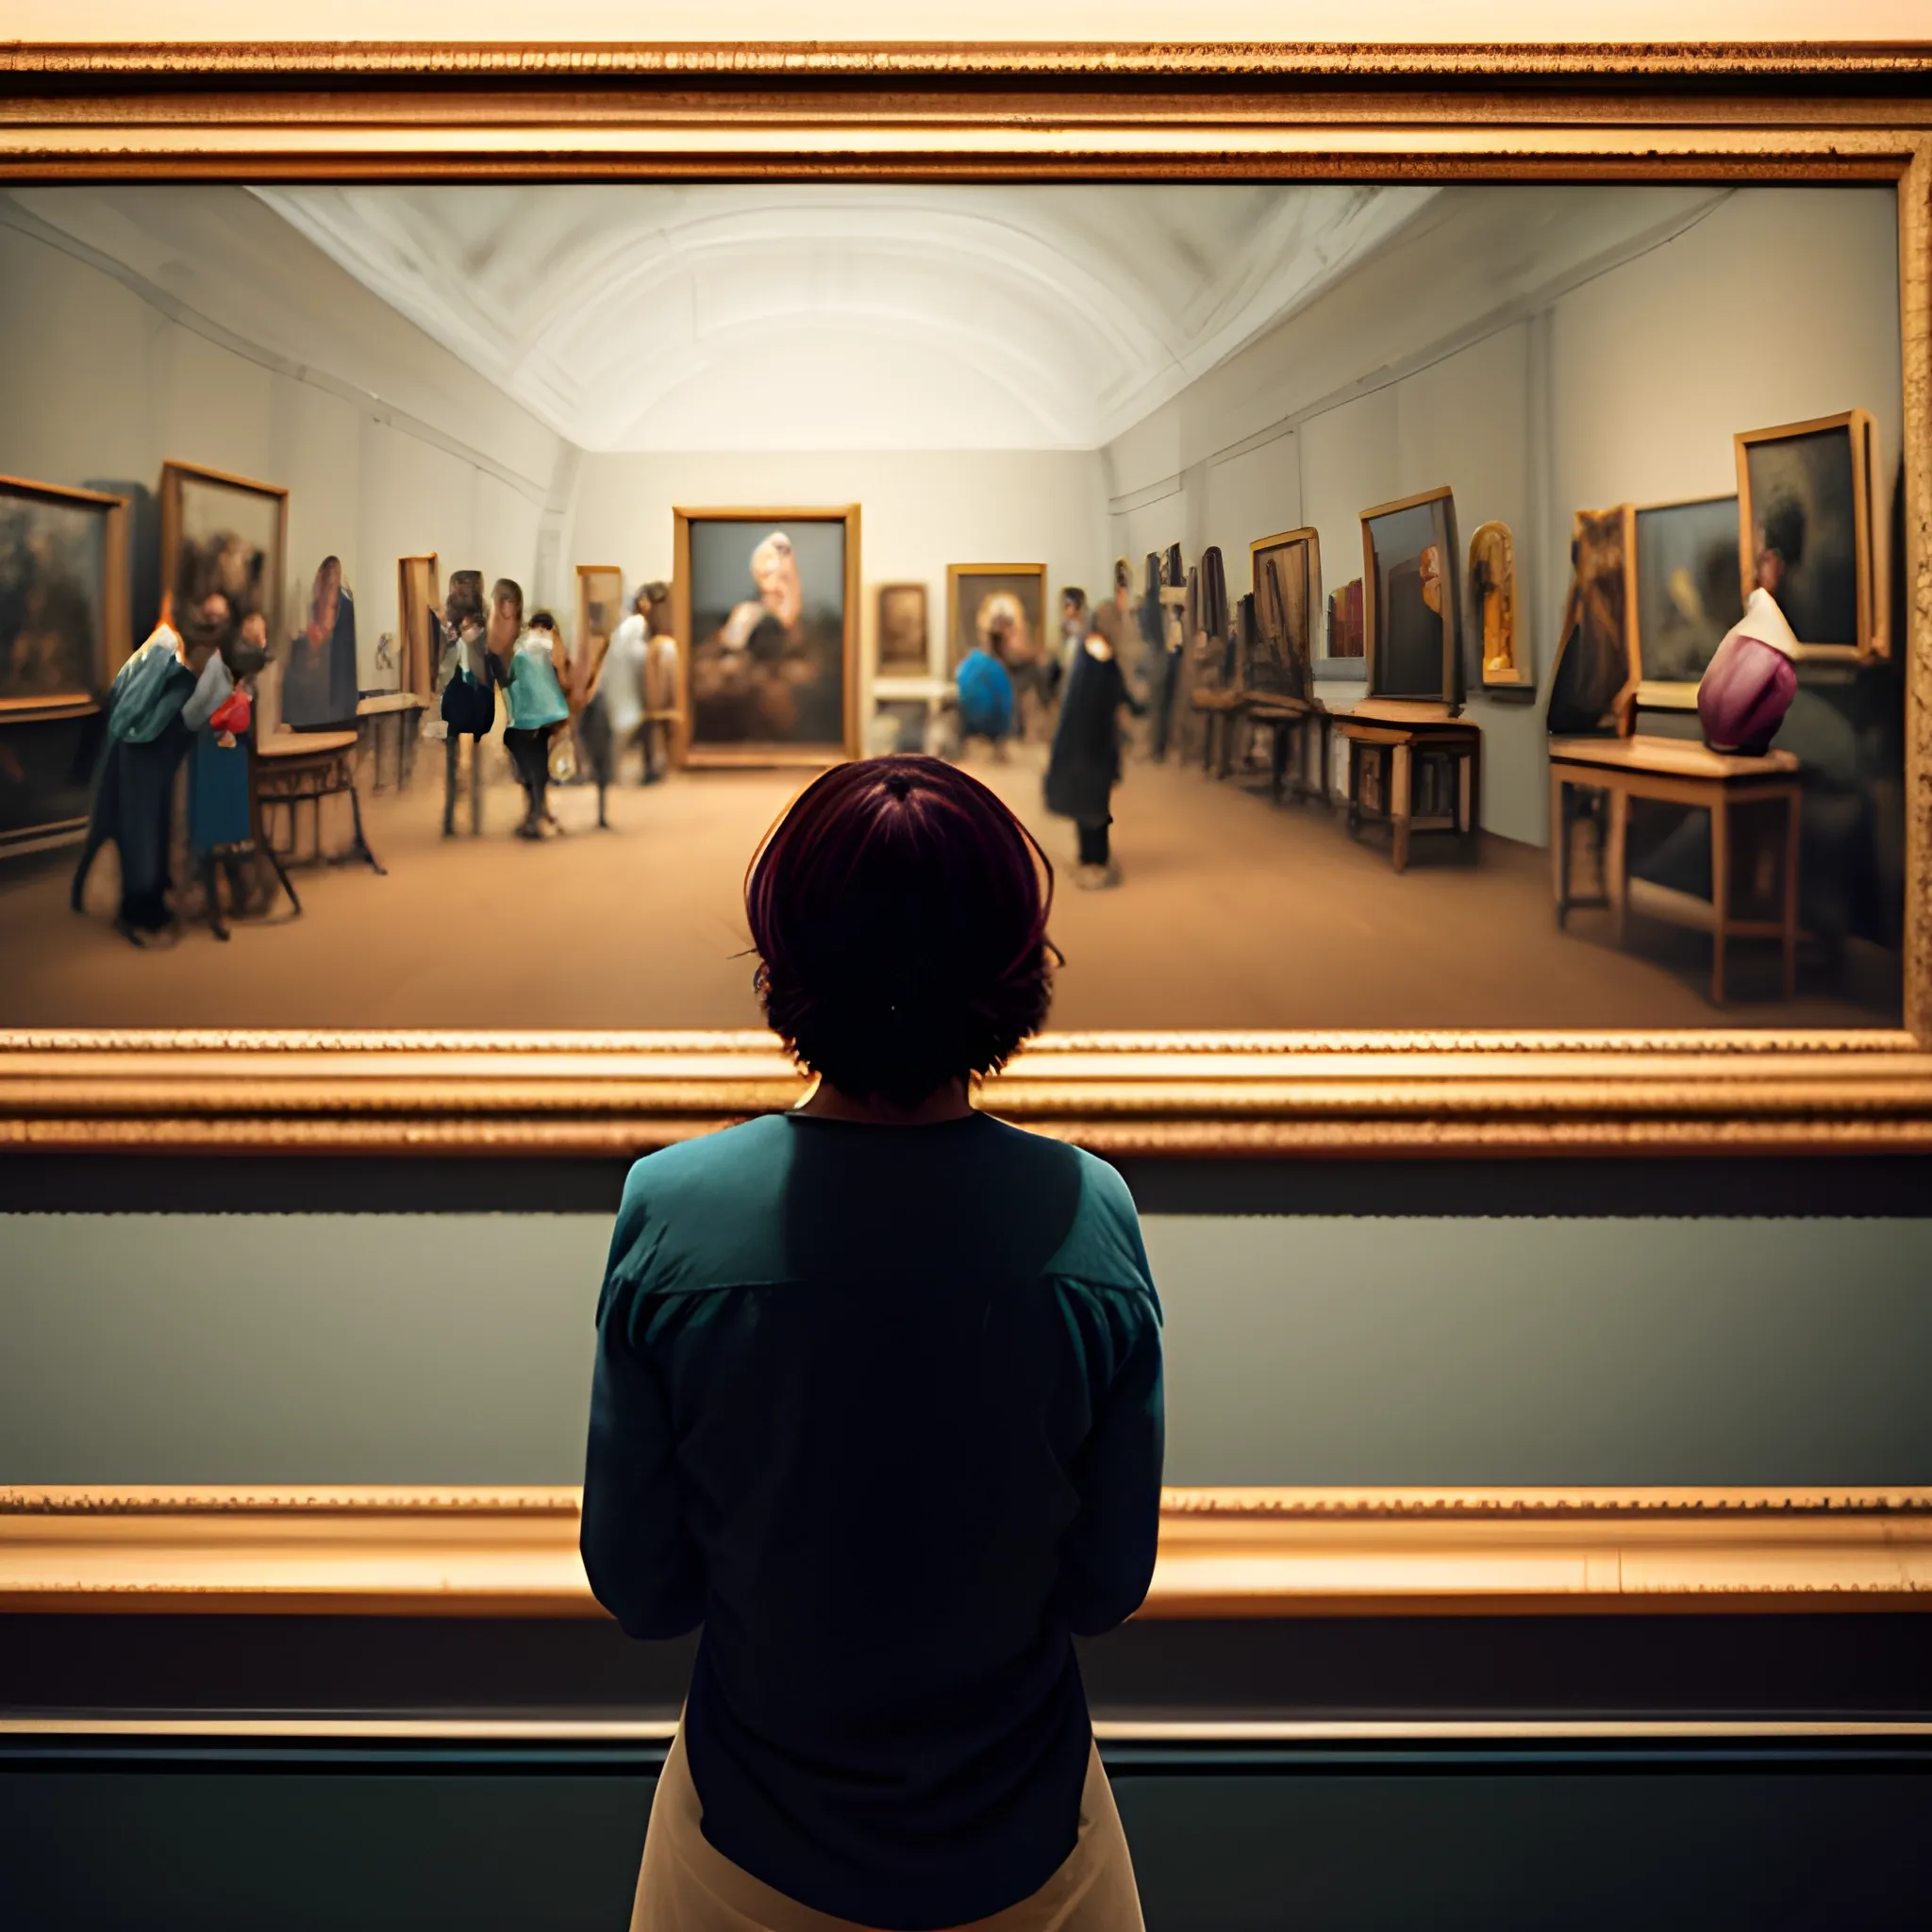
(844, 316)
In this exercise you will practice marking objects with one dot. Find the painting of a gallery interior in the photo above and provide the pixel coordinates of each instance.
(1394, 605)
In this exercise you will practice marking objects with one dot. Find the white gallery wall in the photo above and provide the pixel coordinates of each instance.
(285, 371)
(920, 510)
(1538, 351)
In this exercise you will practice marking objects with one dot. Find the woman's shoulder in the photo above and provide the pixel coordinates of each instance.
(702, 1213)
(1099, 1239)
(732, 1158)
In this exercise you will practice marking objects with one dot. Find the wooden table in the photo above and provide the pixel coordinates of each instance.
(1289, 719)
(1224, 707)
(1677, 771)
(295, 767)
(1395, 733)
(404, 709)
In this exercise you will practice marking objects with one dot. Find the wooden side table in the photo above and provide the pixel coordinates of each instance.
(295, 768)
(398, 716)
(1677, 771)
(1394, 734)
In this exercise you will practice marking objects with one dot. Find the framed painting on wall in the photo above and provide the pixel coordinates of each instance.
(239, 530)
(905, 648)
(1412, 601)
(600, 611)
(765, 602)
(1805, 530)
(987, 603)
(1286, 572)
(1501, 648)
(1684, 595)
(419, 605)
(1672, 117)
(64, 595)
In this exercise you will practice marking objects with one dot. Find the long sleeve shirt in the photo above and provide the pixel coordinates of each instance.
(881, 1409)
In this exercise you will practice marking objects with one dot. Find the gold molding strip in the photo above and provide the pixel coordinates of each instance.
(1596, 64)
(1260, 1094)
(1223, 1553)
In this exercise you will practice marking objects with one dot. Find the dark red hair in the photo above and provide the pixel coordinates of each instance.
(899, 912)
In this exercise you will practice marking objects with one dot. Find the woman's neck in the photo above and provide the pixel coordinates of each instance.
(947, 1103)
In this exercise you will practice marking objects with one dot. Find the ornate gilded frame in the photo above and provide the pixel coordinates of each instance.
(693, 752)
(1224, 1553)
(1685, 114)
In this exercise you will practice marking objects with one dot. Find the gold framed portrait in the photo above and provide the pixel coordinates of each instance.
(1452, 119)
(1806, 531)
(985, 601)
(904, 647)
(765, 607)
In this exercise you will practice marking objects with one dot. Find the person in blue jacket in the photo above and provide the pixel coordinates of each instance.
(985, 691)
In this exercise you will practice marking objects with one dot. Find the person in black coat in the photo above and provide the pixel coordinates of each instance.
(1085, 763)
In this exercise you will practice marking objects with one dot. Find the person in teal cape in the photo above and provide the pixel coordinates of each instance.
(134, 793)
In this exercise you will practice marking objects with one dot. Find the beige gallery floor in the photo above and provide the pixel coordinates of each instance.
(1233, 913)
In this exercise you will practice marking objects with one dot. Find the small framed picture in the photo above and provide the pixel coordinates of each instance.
(1686, 595)
(903, 644)
(1412, 599)
(1000, 606)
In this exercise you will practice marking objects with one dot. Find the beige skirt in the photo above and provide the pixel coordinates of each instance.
(687, 1885)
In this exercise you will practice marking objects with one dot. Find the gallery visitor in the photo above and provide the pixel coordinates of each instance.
(537, 707)
(985, 691)
(877, 1402)
(612, 717)
(133, 802)
(466, 680)
(1085, 763)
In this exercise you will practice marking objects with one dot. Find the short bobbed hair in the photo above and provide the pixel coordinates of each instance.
(899, 912)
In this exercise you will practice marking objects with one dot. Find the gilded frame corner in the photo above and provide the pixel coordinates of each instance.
(1453, 113)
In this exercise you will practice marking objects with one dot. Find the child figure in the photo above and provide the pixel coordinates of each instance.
(537, 707)
(1085, 763)
(220, 819)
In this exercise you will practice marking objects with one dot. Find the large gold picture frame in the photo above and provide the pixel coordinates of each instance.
(1495, 113)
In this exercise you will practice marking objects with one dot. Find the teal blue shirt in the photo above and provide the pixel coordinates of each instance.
(536, 697)
(881, 1409)
(148, 692)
